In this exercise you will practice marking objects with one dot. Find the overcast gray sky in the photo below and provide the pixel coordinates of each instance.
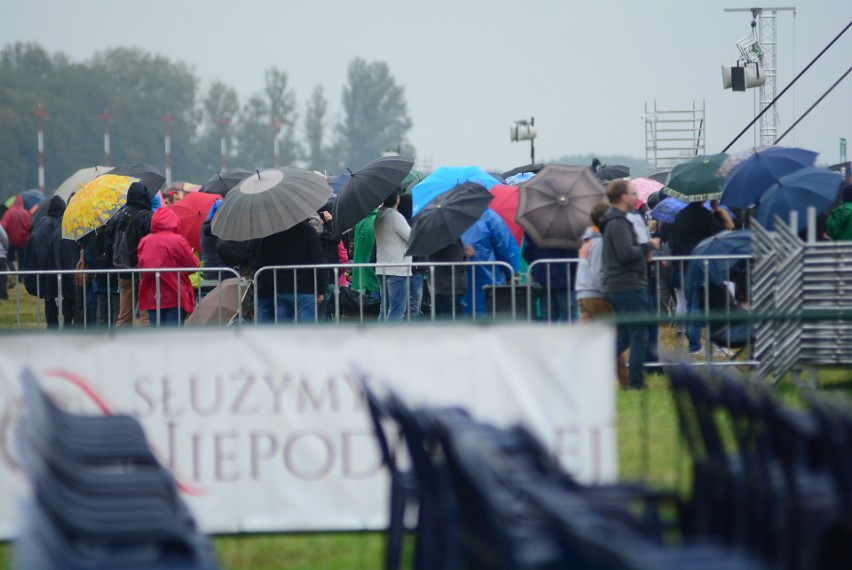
(470, 68)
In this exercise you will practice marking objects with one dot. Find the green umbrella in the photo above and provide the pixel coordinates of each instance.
(697, 180)
(411, 180)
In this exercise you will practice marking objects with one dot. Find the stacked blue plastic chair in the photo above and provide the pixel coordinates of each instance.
(494, 498)
(781, 488)
(100, 499)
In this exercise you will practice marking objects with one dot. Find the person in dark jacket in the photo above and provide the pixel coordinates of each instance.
(450, 282)
(299, 245)
(47, 251)
(556, 280)
(625, 275)
(138, 206)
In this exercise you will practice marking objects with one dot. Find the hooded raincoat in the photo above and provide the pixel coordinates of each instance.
(491, 241)
(16, 222)
(165, 248)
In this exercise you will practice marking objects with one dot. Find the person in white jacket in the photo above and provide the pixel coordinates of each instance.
(392, 233)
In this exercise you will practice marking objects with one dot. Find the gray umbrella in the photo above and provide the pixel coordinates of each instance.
(554, 206)
(268, 202)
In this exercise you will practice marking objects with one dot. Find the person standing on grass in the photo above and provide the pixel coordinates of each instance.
(165, 248)
(392, 233)
(589, 283)
(625, 276)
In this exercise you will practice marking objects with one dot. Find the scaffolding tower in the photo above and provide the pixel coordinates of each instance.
(673, 136)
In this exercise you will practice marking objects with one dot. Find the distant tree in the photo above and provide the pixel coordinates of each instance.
(220, 102)
(317, 155)
(375, 115)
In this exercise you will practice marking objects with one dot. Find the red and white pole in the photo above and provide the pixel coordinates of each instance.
(40, 113)
(106, 117)
(276, 127)
(223, 123)
(167, 119)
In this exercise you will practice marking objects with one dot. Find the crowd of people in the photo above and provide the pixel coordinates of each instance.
(612, 273)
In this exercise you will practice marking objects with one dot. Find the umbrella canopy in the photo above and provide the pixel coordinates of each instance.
(644, 188)
(609, 173)
(191, 211)
(444, 178)
(31, 198)
(736, 158)
(505, 203)
(220, 305)
(661, 176)
(411, 180)
(447, 217)
(221, 182)
(269, 202)
(366, 189)
(534, 168)
(760, 171)
(733, 242)
(667, 210)
(807, 187)
(95, 204)
(144, 173)
(554, 207)
(696, 180)
(75, 181)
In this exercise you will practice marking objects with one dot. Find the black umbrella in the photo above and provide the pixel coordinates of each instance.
(147, 175)
(526, 168)
(614, 172)
(443, 220)
(367, 188)
(221, 182)
(661, 176)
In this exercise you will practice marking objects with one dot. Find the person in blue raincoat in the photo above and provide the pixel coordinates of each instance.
(491, 241)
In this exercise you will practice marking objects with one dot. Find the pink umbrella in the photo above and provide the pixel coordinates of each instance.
(644, 188)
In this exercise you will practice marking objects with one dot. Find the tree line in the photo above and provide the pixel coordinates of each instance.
(139, 89)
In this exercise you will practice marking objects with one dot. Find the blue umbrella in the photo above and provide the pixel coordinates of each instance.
(734, 242)
(760, 171)
(808, 187)
(667, 210)
(31, 197)
(336, 183)
(445, 178)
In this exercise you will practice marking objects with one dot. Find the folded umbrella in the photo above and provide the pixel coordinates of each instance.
(268, 202)
(147, 174)
(444, 178)
(366, 189)
(95, 204)
(191, 211)
(697, 180)
(75, 181)
(810, 187)
(447, 217)
(221, 182)
(554, 207)
(760, 171)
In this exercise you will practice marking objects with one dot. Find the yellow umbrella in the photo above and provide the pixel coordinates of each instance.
(94, 204)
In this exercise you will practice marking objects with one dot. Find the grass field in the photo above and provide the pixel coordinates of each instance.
(648, 448)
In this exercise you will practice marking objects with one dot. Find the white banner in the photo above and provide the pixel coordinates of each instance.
(266, 429)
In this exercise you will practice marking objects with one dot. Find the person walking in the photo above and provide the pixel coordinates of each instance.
(625, 276)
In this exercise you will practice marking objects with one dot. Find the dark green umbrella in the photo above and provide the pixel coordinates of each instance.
(411, 180)
(697, 180)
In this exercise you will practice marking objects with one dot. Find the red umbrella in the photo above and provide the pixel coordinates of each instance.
(192, 211)
(505, 203)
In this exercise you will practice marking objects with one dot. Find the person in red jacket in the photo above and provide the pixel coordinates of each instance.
(16, 222)
(165, 248)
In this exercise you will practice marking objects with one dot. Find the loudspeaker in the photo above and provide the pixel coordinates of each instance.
(738, 80)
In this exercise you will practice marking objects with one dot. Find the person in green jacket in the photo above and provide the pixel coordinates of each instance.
(364, 279)
(840, 220)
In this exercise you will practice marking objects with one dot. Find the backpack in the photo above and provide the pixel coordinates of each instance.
(120, 249)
